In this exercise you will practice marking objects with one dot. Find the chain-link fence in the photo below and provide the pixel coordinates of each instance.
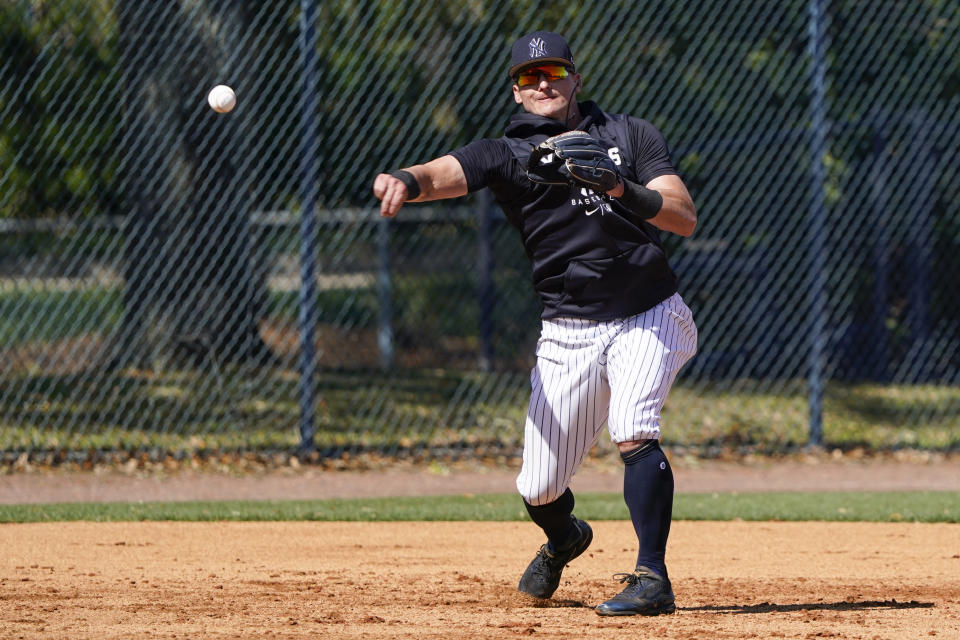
(173, 280)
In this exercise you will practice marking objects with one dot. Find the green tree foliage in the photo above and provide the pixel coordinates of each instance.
(400, 82)
(58, 109)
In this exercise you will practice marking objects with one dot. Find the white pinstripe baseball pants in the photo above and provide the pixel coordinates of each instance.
(591, 373)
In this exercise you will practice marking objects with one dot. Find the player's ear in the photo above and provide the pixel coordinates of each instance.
(516, 94)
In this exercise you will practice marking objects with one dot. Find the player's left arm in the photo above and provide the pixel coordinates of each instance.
(664, 202)
(660, 198)
(677, 214)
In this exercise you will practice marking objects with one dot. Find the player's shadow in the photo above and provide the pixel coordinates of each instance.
(554, 603)
(768, 607)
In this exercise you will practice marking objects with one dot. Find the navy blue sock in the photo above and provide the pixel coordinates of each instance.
(648, 492)
(554, 518)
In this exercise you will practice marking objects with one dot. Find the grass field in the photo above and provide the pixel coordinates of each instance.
(928, 506)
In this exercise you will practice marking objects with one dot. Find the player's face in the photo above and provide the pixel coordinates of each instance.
(546, 90)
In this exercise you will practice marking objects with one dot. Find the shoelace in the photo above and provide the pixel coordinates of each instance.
(544, 568)
(633, 579)
(627, 577)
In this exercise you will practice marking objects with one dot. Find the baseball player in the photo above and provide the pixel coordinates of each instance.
(589, 192)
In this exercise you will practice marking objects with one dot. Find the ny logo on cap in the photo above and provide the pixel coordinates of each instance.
(536, 48)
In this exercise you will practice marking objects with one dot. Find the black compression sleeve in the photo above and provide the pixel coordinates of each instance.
(642, 202)
(408, 179)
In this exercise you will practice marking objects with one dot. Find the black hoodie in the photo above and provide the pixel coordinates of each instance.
(588, 260)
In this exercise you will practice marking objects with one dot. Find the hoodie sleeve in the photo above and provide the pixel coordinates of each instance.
(486, 163)
(651, 153)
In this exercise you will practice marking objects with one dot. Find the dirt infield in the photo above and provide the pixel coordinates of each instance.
(457, 580)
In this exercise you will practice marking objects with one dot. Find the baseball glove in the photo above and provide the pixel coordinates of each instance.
(574, 157)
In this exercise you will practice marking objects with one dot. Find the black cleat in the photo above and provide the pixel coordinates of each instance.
(646, 594)
(542, 576)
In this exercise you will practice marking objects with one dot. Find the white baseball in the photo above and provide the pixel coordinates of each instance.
(222, 98)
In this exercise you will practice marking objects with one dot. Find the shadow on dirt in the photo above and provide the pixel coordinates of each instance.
(768, 607)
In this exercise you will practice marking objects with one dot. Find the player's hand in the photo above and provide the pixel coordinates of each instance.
(391, 192)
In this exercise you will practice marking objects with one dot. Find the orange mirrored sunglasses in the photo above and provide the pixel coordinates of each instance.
(550, 72)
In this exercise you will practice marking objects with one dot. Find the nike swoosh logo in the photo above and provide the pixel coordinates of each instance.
(547, 159)
(590, 212)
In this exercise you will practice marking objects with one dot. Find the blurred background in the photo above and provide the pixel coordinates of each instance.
(176, 282)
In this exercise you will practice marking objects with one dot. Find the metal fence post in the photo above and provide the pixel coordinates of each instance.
(817, 241)
(486, 290)
(384, 294)
(308, 195)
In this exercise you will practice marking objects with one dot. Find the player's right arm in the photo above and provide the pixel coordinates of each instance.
(438, 179)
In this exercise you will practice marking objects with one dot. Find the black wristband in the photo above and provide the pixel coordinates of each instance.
(407, 178)
(642, 202)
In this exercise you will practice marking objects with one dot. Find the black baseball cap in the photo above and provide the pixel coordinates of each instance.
(540, 46)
